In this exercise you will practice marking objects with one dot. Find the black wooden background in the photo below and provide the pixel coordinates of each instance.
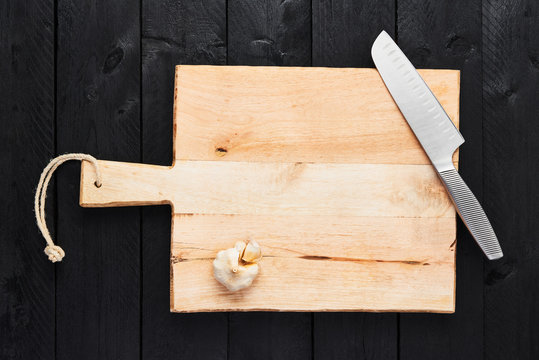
(97, 77)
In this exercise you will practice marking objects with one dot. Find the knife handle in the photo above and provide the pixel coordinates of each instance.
(472, 214)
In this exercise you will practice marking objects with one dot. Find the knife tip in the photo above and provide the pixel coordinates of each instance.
(383, 34)
(380, 40)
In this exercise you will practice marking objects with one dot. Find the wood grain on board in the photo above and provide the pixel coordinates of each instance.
(298, 115)
(369, 190)
(272, 189)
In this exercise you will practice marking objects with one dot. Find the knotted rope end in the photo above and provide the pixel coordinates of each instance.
(55, 253)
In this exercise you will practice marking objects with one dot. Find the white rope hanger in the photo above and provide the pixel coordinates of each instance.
(53, 251)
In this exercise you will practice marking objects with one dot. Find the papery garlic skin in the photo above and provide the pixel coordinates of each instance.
(237, 267)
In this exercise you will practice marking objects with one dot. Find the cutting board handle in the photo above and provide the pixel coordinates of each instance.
(124, 184)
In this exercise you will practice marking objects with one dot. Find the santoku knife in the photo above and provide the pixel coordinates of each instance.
(436, 133)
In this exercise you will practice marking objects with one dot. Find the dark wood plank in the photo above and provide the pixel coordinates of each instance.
(355, 336)
(174, 32)
(447, 34)
(343, 32)
(26, 144)
(267, 335)
(98, 298)
(271, 32)
(511, 170)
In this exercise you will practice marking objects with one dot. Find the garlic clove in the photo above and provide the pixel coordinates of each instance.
(240, 246)
(252, 252)
(228, 259)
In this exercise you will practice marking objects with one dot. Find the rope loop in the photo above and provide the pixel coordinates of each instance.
(53, 251)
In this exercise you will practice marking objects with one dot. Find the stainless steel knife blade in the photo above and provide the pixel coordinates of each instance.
(436, 132)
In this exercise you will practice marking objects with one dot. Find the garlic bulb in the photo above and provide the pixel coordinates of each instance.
(237, 267)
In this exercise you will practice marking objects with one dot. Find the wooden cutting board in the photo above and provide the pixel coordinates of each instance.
(318, 166)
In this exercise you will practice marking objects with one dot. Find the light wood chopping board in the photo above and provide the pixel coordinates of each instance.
(320, 168)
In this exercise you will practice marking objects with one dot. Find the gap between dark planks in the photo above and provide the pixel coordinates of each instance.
(141, 212)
